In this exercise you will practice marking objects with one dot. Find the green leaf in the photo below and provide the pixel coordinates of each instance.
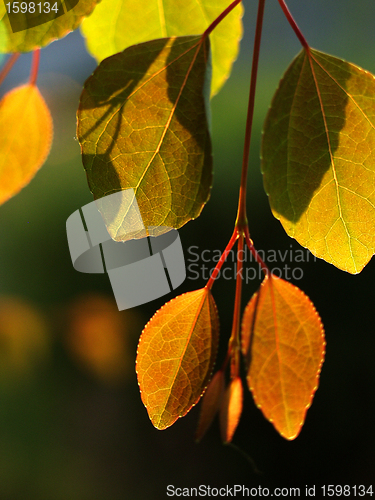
(142, 124)
(53, 28)
(176, 354)
(319, 158)
(107, 29)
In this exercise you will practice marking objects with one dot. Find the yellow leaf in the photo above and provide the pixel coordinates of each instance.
(107, 29)
(318, 155)
(25, 138)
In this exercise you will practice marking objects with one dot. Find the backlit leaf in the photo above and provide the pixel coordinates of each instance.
(142, 124)
(231, 409)
(211, 402)
(283, 344)
(319, 158)
(38, 29)
(176, 354)
(107, 29)
(25, 138)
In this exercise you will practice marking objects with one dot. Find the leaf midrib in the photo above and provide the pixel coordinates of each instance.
(333, 167)
(279, 356)
(335, 179)
(166, 126)
(205, 296)
(162, 19)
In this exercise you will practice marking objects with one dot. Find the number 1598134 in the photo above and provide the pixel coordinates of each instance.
(31, 7)
(346, 491)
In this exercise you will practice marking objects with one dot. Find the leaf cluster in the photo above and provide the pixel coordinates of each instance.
(144, 123)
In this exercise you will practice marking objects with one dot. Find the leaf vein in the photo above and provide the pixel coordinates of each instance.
(333, 167)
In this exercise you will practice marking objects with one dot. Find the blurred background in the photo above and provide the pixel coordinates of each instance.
(72, 424)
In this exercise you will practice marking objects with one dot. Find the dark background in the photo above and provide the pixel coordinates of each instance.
(72, 424)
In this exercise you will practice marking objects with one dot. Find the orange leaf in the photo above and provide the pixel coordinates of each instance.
(25, 138)
(231, 409)
(283, 343)
(211, 402)
(175, 357)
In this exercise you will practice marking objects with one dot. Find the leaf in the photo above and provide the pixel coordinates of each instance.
(319, 158)
(231, 409)
(142, 124)
(211, 402)
(107, 29)
(283, 343)
(26, 137)
(176, 354)
(33, 30)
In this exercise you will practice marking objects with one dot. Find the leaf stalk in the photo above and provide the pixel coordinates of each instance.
(294, 25)
(218, 20)
(241, 221)
(222, 259)
(256, 255)
(8, 66)
(234, 341)
(34, 67)
(241, 229)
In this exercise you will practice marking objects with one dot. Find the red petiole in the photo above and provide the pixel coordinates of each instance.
(293, 24)
(34, 67)
(241, 229)
(8, 66)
